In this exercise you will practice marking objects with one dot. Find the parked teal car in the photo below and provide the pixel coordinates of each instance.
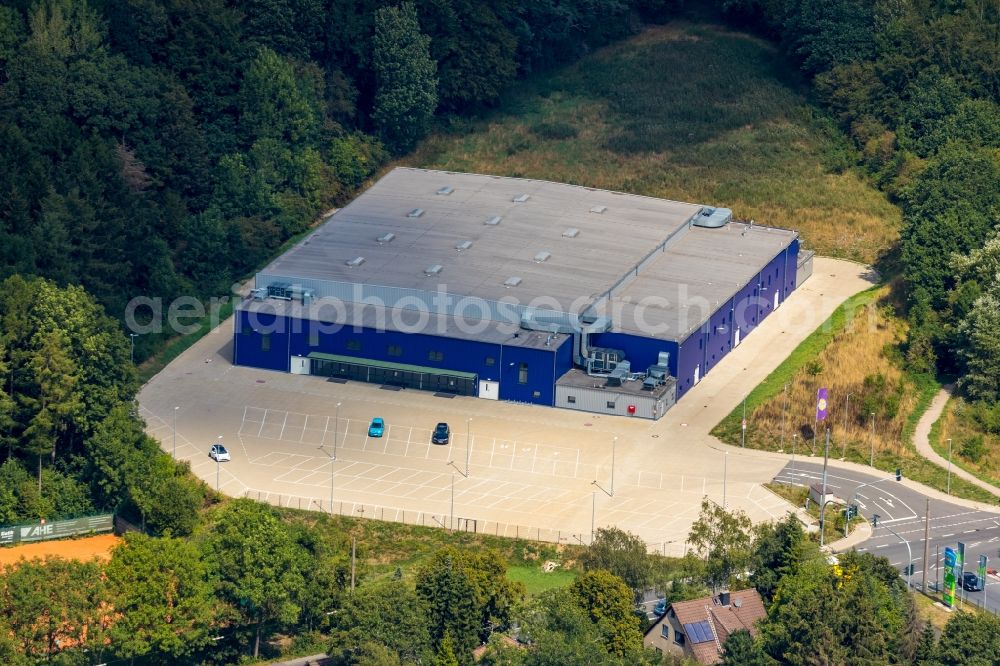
(377, 427)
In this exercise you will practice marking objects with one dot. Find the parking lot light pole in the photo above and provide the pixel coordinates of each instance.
(468, 441)
(175, 432)
(725, 475)
(794, 437)
(336, 429)
(949, 465)
(614, 447)
(218, 465)
(909, 567)
(451, 516)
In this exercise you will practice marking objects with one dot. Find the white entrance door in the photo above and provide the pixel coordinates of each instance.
(489, 390)
(300, 365)
(775, 299)
(697, 373)
(736, 343)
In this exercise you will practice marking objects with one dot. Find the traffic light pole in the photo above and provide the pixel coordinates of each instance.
(854, 497)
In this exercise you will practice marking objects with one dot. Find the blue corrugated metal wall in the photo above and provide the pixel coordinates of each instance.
(640, 352)
(292, 337)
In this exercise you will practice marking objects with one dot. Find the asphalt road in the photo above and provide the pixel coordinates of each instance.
(902, 510)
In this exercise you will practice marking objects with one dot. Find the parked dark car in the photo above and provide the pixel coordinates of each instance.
(660, 608)
(970, 582)
(442, 434)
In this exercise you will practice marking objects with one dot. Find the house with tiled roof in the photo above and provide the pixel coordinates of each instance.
(699, 628)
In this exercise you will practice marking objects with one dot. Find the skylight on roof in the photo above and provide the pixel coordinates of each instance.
(572, 232)
(385, 238)
(521, 198)
(446, 190)
(512, 282)
(542, 256)
(464, 245)
(355, 262)
(493, 221)
(598, 209)
(433, 270)
(416, 212)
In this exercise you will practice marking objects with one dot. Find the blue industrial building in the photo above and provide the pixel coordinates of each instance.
(518, 290)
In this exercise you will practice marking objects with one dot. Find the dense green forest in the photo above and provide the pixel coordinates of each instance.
(916, 85)
(166, 147)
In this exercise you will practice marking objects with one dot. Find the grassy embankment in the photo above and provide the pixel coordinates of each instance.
(853, 352)
(975, 447)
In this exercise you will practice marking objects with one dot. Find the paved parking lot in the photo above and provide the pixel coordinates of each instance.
(532, 471)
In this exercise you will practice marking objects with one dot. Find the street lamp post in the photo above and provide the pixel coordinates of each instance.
(784, 419)
(949, 465)
(218, 465)
(336, 429)
(614, 447)
(725, 474)
(909, 551)
(847, 409)
(468, 440)
(451, 517)
(175, 432)
(871, 458)
(795, 436)
(132, 337)
(743, 425)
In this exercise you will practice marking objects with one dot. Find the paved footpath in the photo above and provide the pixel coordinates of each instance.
(922, 439)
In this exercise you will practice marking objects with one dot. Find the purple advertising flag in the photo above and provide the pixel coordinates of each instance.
(821, 404)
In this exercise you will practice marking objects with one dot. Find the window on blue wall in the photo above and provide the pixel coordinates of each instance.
(394, 350)
(490, 360)
(522, 373)
(265, 342)
(435, 356)
(701, 343)
(536, 394)
(314, 338)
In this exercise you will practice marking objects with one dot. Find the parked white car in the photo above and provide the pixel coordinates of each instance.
(218, 453)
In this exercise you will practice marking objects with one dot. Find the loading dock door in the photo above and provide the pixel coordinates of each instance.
(489, 390)
(300, 365)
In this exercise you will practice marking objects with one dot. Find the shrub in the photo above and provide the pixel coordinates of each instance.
(555, 130)
(973, 448)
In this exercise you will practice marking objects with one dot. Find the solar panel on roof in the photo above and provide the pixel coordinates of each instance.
(699, 632)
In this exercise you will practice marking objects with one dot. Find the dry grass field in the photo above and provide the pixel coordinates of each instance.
(686, 112)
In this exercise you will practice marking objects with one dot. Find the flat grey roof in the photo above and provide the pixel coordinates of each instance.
(335, 312)
(679, 291)
(557, 247)
(580, 267)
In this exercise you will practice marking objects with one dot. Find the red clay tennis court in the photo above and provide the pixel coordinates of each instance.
(73, 549)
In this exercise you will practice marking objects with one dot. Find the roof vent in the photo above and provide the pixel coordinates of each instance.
(446, 190)
(433, 270)
(572, 232)
(493, 221)
(355, 262)
(598, 209)
(512, 282)
(542, 256)
(521, 198)
(464, 245)
(385, 238)
(416, 212)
